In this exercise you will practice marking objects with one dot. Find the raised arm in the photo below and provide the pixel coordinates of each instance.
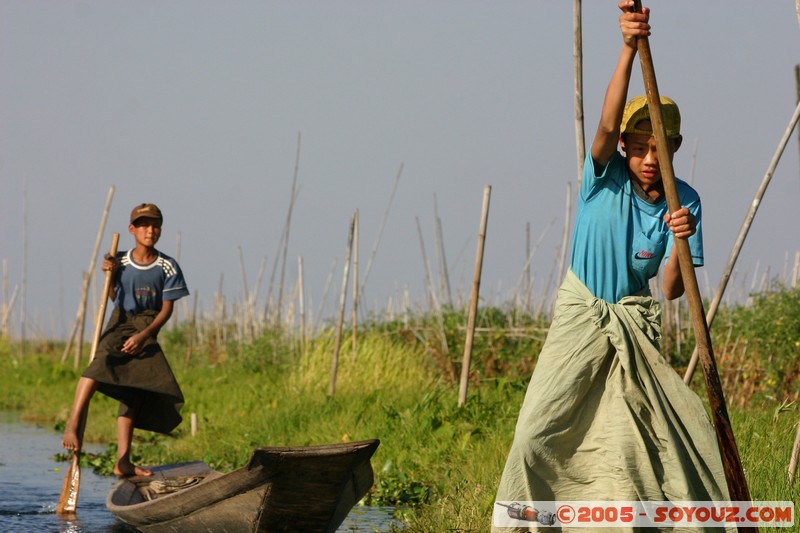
(631, 25)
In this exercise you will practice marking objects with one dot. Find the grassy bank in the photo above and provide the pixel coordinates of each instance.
(439, 463)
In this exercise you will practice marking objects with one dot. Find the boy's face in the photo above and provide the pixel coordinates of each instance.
(642, 155)
(146, 231)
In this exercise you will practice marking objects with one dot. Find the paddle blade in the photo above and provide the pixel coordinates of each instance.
(68, 502)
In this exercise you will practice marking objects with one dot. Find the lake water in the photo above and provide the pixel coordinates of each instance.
(30, 485)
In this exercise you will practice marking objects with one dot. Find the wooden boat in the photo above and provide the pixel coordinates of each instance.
(295, 488)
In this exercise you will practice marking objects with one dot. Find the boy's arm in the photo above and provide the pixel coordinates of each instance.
(683, 225)
(135, 343)
(110, 266)
(631, 25)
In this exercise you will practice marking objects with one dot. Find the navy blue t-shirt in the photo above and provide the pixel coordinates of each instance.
(145, 287)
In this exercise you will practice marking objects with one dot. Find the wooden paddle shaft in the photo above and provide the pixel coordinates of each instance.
(734, 473)
(101, 313)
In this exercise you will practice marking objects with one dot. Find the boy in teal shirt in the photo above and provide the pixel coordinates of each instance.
(605, 418)
(623, 227)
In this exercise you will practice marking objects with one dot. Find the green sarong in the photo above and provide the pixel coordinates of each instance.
(605, 418)
(143, 383)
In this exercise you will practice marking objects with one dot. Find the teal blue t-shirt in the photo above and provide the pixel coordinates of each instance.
(620, 239)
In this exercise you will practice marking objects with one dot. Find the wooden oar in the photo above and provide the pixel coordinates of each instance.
(68, 501)
(101, 313)
(732, 464)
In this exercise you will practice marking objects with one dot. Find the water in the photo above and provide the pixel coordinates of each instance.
(30, 485)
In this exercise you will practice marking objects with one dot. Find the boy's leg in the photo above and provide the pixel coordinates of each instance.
(73, 432)
(124, 467)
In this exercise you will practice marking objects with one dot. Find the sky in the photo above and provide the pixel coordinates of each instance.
(202, 106)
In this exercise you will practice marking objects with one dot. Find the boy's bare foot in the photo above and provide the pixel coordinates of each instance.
(127, 469)
(70, 440)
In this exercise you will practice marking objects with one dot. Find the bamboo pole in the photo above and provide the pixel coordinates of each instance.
(731, 462)
(525, 276)
(247, 312)
(326, 290)
(302, 305)
(795, 454)
(77, 331)
(473, 299)
(354, 319)
(285, 251)
(101, 312)
(284, 244)
(547, 288)
(433, 302)
(7, 311)
(743, 231)
(193, 332)
(577, 54)
(5, 284)
(184, 301)
(4, 325)
(444, 277)
(257, 290)
(797, 81)
(24, 285)
(219, 312)
(342, 301)
(291, 316)
(374, 251)
(526, 271)
(793, 459)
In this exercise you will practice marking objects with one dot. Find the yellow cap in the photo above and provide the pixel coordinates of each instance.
(636, 110)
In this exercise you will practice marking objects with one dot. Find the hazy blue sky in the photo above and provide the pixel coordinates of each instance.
(197, 106)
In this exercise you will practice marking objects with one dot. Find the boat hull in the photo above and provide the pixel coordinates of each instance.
(281, 489)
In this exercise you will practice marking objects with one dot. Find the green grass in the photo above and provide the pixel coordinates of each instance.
(439, 463)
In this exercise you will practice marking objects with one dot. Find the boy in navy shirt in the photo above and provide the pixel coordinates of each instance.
(129, 365)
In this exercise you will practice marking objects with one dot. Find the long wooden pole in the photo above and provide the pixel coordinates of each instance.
(732, 464)
(101, 313)
(577, 55)
(473, 299)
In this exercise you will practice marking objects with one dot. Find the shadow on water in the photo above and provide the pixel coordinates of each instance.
(30, 485)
